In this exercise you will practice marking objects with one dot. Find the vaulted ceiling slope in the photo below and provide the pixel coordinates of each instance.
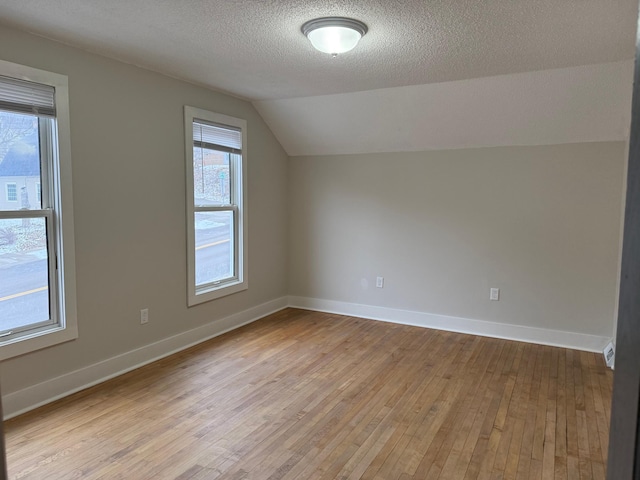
(428, 75)
(591, 103)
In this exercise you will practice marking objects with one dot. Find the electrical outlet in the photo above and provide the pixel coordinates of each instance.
(609, 355)
(144, 316)
(494, 295)
(379, 282)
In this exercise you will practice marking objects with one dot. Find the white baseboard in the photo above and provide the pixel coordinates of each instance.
(555, 338)
(22, 401)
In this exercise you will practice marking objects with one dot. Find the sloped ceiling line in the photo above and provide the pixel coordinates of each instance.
(568, 105)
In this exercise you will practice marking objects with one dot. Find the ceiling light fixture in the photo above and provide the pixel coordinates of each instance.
(334, 35)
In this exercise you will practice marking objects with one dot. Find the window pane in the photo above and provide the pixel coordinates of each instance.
(211, 184)
(214, 246)
(12, 192)
(19, 162)
(24, 273)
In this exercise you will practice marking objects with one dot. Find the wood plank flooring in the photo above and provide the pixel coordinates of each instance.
(307, 395)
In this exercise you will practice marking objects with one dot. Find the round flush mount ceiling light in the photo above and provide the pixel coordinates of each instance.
(334, 35)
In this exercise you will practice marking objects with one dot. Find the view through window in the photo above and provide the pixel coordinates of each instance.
(214, 217)
(26, 225)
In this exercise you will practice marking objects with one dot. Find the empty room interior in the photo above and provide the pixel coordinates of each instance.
(234, 248)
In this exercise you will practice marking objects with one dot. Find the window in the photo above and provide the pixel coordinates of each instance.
(37, 284)
(12, 192)
(216, 205)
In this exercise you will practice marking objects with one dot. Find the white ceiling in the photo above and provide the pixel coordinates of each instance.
(254, 48)
(569, 105)
(428, 74)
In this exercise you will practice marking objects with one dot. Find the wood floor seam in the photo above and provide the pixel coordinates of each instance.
(309, 395)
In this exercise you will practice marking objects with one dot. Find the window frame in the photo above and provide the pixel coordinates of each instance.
(15, 187)
(59, 215)
(238, 184)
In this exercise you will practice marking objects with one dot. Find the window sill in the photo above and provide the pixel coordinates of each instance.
(37, 341)
(216, 292)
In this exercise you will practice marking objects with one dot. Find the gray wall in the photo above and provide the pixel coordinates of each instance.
(541, 223)
(129, 193)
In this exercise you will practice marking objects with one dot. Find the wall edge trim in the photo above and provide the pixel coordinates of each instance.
(34, 396)
(520, 333)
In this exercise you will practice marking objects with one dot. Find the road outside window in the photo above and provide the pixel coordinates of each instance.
(24, 256)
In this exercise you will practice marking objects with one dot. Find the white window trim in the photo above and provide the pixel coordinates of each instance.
(6, 188)
(242, 283)
(67, 329)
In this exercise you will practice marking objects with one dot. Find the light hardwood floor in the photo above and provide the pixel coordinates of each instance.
(305, 395)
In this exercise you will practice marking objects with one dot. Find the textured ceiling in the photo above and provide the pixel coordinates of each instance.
(254, 48)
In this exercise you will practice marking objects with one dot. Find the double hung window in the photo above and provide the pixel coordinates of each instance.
(37, 277)
(216, 205)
